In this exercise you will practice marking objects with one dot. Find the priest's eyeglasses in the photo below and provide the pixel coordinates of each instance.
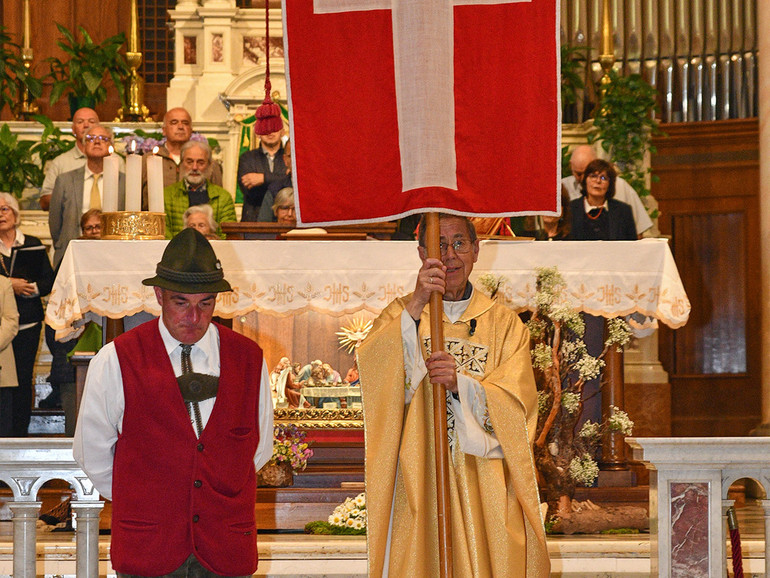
(460, 246)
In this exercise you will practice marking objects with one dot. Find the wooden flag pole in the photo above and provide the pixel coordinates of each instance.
(439, 411)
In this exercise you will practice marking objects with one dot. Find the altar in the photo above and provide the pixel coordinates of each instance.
(339, 278)
(293, 296)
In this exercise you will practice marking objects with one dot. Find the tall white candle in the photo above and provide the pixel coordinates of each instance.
(155, 182)
(110, 184)
(133, 183)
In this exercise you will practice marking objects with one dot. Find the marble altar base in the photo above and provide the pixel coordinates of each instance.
(345, 556)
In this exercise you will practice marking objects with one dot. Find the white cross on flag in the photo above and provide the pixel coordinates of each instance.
(405, 106)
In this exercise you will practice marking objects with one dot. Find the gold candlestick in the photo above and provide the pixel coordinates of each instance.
(26, 107)
(136, 111)
(607, 58)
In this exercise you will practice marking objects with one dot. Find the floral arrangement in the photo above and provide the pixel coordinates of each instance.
(562, 366)
(491, 284)
(146, 142)
(351, 513)
(347, 518)
(289, 446)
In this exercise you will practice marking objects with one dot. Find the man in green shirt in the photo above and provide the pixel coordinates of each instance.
(195, 188)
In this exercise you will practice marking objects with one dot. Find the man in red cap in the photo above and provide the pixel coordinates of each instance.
(176, 418)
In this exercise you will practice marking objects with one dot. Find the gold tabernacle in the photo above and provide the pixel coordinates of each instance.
(133, 225)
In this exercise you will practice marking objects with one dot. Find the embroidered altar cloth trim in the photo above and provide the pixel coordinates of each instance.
(607, 278)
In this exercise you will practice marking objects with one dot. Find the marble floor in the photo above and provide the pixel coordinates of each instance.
(297, 555)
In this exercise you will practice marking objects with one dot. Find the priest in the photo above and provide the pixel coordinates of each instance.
(496, 526)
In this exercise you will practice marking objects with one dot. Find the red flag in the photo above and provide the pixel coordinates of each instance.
(405, 106)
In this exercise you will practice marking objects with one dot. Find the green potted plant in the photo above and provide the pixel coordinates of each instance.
(13, 74)
(22, 162)
(625, 126)
(82, 74)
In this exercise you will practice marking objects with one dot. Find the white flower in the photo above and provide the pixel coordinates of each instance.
(570, 401)
(583, 470)
(589, 367)
(590, 429)
(360, 501)
(619, 421)
(618, 332)
(542, 356)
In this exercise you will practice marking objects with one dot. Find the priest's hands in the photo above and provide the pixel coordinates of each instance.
(431, 277)
(442, 369)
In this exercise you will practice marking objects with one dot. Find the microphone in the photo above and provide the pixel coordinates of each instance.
(473, 327)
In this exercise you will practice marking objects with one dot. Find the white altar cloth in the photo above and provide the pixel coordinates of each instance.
(608, 278)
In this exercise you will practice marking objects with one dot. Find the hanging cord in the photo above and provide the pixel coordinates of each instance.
(735, 542)
(268, 113)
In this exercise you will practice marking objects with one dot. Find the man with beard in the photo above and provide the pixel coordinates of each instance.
(177, 128)
(195, 188)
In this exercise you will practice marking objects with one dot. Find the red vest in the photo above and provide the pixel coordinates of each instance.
(172, 493)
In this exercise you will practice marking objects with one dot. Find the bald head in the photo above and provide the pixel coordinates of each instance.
(83, 119)
(177, 128)
(581, 156)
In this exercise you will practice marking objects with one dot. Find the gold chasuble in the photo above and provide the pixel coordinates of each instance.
(496, 525)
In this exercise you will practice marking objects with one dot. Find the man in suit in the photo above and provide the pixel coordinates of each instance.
(258, 169)
(83, 119)
(75, 192)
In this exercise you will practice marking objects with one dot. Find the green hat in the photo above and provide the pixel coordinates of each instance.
(189, 265)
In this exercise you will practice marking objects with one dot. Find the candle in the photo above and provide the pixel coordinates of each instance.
(133, 182)
(110, 184)
(155, 182)
(27, 36)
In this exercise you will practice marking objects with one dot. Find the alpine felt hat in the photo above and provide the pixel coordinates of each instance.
(189, 265)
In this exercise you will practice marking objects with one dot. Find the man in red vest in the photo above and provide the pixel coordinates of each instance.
(176, 418)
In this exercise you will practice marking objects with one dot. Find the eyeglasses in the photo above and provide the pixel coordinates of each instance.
(460, 246)
(602, 178)
(286, 208)
(92, 228)
(5, 209)
(97, 138)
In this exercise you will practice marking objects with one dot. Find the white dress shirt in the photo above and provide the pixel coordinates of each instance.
(100, 420)
(88, 184)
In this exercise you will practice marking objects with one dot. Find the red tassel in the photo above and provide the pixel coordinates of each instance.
(268, 113)
(269, 118)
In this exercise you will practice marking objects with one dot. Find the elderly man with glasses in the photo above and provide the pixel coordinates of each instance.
(491, 420)
(76, 192)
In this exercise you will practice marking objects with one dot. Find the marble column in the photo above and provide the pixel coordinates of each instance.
(24, 538)
(763, 24)
(726, 505)
(86, 514)
(766, 510)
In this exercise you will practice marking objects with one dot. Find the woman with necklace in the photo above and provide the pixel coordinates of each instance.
(596, 216)
(25, 261)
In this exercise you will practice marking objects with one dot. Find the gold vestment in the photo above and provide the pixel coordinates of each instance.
(496, 525)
